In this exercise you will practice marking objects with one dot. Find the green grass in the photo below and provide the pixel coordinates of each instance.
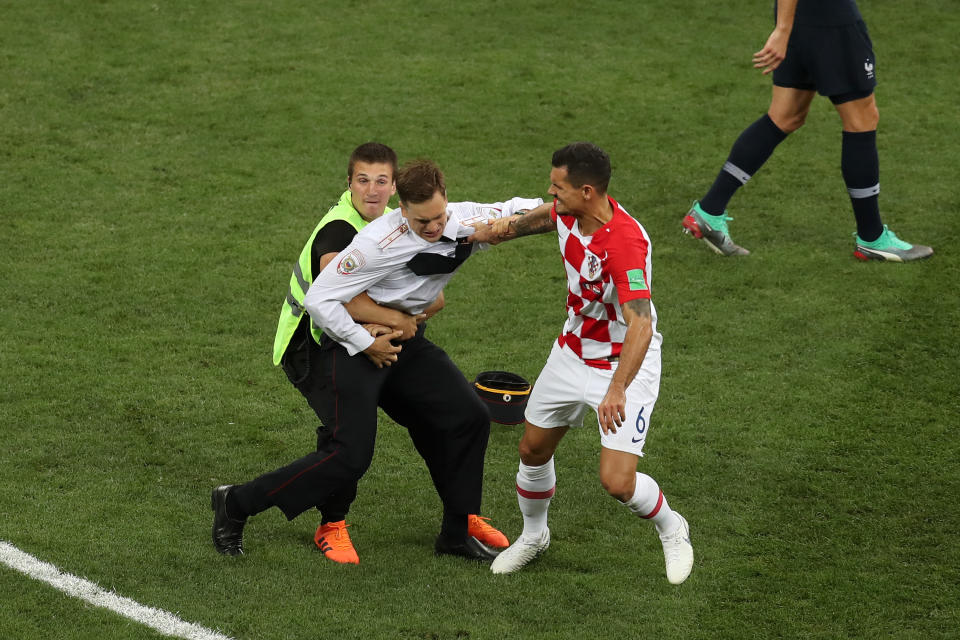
(161, 165)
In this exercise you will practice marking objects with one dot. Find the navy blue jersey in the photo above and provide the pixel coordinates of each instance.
(825, 13)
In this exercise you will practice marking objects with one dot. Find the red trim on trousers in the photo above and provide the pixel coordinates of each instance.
(336, 396)
(310, 468)
(336, 426)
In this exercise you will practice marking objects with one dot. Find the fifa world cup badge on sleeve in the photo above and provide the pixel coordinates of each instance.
(638, 281)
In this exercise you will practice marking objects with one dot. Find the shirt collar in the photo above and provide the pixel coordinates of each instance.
(451, 231)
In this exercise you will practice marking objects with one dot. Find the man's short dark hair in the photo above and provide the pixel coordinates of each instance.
(586, 163)
(371, 153)
(418, 181)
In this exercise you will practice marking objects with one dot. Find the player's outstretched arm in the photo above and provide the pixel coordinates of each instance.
(536, 220)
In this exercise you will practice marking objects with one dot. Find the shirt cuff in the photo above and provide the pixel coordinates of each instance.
(357, 341)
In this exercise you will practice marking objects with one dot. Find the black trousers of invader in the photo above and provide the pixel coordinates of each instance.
(422, 391)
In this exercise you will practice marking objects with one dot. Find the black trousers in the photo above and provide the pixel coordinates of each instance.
(296, 365)
(423, 391)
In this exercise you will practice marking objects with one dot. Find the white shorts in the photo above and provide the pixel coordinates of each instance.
(567, 387)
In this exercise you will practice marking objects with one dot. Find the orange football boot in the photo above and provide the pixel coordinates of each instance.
(332, 538)
(478, 528)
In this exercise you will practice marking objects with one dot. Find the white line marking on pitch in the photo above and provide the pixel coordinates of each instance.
(164, 622)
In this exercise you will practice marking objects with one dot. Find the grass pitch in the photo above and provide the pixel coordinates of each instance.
(161, 164)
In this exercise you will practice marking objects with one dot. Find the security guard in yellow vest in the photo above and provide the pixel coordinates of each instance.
(370, 179)
(292, 314)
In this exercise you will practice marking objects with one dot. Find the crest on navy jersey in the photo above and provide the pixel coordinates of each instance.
(351, 263)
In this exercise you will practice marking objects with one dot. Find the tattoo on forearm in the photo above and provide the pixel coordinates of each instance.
(533, 223)
(640, 306)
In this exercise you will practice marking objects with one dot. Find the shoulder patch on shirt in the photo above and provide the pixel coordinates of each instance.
(474, 220)
(636, 280)
(393, 235)
(351, 263)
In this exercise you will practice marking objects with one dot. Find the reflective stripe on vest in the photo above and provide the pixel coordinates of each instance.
(302, 276)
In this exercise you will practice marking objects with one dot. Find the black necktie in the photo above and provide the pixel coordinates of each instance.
(429, 264)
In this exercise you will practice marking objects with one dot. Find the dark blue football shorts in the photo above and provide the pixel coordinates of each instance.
(837, 62)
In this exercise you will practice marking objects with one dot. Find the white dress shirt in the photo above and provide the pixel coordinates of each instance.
(376, 262)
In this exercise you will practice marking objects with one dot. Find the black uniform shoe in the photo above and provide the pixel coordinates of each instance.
(468, 547)
(227, 531)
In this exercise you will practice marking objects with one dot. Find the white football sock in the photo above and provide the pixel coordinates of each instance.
(648, 502)
(535, 487)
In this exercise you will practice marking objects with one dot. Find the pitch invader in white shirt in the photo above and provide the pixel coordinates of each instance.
(376, 262)
(402, 260)
(607, 357)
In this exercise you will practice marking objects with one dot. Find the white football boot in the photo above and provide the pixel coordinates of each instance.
(678, 552)
(521, 553)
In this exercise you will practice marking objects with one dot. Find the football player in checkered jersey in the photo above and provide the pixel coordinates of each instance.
(607, 357)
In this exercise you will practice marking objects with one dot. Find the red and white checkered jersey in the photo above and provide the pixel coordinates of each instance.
(604, 271)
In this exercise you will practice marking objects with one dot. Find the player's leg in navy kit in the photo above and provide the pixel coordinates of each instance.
(850, 87)
(789, 104)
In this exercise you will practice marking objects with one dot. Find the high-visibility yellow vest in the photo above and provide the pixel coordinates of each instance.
(302, 277)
